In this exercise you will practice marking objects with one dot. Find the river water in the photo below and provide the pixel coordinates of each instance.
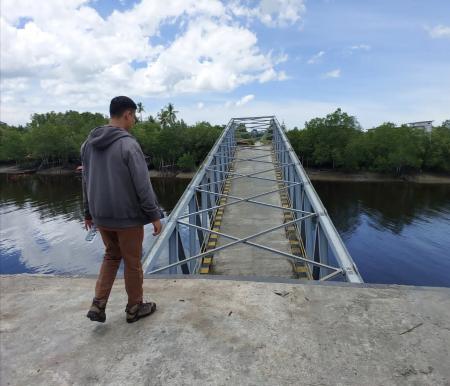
(396, 232)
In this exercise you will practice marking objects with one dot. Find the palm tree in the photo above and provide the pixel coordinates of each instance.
(171, 113)
(163, 118)
(140, 109)
(167, 116)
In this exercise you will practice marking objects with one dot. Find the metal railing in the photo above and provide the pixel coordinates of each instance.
(183, 242)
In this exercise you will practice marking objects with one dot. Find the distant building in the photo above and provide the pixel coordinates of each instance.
(427, 125)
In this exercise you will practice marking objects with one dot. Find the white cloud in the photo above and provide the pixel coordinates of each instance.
(244, 100)
(333, 74)
(315, 58)
(363, 47)
(439, 31)
(232, 59)
(272, 13)
(271, 74)
(63, 55)
(200, 105)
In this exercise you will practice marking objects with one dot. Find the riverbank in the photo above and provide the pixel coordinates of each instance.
(331, 175)
(183, 175)
(57, 171)
(16, 171)
(222, 332)
(314, 175)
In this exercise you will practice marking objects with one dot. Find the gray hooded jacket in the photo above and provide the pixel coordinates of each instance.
(117, 192)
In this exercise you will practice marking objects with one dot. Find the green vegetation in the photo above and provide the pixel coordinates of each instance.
(57, 137)
(335, 141)
(243, 137)
(176, 144)
(48, 137)
(186, 162)
(167, 116)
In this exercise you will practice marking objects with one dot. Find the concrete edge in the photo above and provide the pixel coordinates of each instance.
(255, 279)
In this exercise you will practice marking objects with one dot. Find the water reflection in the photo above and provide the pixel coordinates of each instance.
(390, 206)
(42, 225)
(395, 232)
(49, 196)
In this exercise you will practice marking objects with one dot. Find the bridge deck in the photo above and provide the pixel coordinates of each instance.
(248, 218)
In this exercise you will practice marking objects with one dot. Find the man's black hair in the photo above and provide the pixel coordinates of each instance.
(119, 105)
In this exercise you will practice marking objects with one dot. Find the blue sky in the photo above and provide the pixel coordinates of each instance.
(378, 60)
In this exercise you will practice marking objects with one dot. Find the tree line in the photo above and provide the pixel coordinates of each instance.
(56, 138)
(335, 141)
(338, 142)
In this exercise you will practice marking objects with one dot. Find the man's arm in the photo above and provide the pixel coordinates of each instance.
(87, 215)
(141, 180)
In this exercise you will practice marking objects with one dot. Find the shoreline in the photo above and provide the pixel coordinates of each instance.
(313, 174)
(330, 175)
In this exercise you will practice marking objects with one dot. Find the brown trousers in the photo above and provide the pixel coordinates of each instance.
(123, 243)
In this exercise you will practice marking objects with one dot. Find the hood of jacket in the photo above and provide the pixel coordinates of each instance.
(103, 136)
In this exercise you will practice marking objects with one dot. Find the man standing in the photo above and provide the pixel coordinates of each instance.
(119, 199)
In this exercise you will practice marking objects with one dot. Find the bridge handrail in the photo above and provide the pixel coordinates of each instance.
(337, 245)
(182, 203)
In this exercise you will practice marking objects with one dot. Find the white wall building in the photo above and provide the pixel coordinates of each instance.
(427, 125)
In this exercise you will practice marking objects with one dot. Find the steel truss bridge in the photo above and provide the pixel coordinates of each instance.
(198, 236)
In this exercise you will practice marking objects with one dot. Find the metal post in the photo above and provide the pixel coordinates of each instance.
(193, 250)
(212, 187)
(291, 189)
(173, 251)
(323, 252)
(204, 206)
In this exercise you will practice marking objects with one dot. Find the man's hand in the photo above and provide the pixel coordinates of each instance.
(157, 226)
(88, 224)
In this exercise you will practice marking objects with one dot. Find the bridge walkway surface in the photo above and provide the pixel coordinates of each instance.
(246, 218)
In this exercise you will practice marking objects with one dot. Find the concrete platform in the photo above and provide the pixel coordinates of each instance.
(218, 332)
(246, 218)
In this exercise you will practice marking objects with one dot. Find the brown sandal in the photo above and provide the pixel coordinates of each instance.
(140, 310)
(97, 312)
